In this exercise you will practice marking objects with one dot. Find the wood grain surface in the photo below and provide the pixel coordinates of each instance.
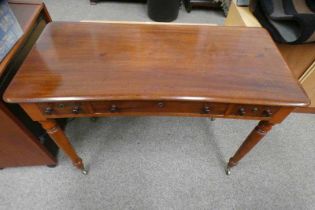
(97, 61)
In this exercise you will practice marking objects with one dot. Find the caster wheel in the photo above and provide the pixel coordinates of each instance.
(84, 172)
(212, 119)
(228, 171)
(1, 168)
(51, 166)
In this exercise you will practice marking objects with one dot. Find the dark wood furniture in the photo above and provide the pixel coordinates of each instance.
(201, 4)
(19, 142)
(94, 70)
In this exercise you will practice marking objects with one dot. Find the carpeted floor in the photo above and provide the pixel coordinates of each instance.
(171, 163)
(76, 10)
(148, 163)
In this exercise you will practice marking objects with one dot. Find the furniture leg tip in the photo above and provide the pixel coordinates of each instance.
(84, 172)
(228, 171)
(212, 119)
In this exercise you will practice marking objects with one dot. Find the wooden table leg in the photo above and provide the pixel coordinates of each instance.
(57, 134)
(253, 138)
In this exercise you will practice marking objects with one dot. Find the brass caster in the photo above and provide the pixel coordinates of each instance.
(84, 171)
(228, 171)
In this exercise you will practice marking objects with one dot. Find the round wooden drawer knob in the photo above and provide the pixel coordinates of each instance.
(49, 110)
(113, 108)
(206, 109)
(242, 111)
(255, 109)
(267, 113)
(161, 104)
(76, 110)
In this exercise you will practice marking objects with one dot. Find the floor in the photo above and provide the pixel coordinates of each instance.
(151, 163)
(77, 10)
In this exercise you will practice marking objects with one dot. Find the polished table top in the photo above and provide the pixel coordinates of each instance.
(97, 61)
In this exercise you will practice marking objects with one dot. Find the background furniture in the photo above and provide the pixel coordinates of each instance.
(23, 142)
(203, 4)
(300, 58)
(10, 29)
(163, 10)
(154, 75)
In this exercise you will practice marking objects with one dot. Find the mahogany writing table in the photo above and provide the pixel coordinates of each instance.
(97, 69)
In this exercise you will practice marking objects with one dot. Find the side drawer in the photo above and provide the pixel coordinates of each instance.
(67, 108)
(253, 111)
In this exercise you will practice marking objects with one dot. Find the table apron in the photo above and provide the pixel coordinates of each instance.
(156, 108)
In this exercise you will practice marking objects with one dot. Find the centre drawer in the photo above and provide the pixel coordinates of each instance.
(159, 107)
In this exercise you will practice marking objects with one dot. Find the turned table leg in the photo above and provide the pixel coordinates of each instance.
(57, 134)
(253, 138)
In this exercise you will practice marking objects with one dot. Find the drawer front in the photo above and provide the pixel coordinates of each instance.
(67, 108)
(253, 111)
(159, 107)
(186, 108)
